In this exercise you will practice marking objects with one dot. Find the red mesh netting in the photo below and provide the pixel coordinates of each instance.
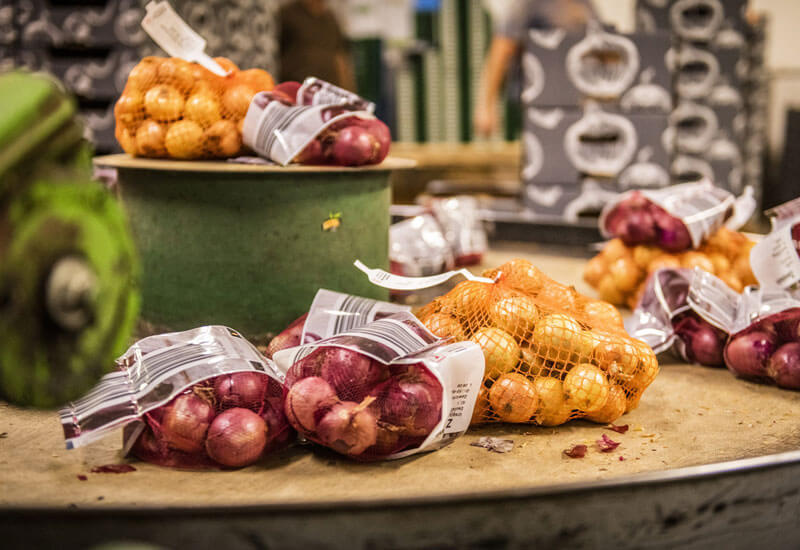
(360, 407)
(176, 109)
(231, 420)
(619, 272)
(552, 355)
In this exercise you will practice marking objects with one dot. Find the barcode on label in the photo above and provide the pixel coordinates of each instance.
(394, 334)
(358, 309)
(276, 118)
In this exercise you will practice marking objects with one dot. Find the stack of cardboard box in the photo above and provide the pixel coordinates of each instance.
(595, 107)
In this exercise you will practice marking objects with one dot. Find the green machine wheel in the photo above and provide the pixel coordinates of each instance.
(68, 292)
(68, 270)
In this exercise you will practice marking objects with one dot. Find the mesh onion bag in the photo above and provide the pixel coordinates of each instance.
(551, 354)
(202, 398)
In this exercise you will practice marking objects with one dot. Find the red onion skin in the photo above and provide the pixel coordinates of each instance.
(354, 146)
(787, 324)
(747, 354)
(242, 389)
(387, 442)
(380, 132)
(703, 343)
(236, 438)
(312, 154)
(289, 89)
(673, 236)
(784, 366)
(348, 428)
(185, 422)
(637, 228)
(288, 337)
(615, 219)
(305, 400)
(351, 374)
(279, 432)
(412, 401)
(309, 365)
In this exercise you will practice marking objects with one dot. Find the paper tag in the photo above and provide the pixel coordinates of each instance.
(175, 37)
(397, 282)
(774, 258)
(332, 313)
(713, 300)
(459, 368)
(315, 91)
(280, 132)
(743, 208)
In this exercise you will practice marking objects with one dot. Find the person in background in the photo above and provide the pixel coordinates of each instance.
(517, 18)
(312, 44)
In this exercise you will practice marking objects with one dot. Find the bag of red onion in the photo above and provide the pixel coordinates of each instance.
(331, 313)
(776, 257)
(764, 327)
(676, 218)
(203, 398)
(665, 320)
(385, 390)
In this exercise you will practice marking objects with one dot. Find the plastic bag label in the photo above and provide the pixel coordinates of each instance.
(333, 313)
(385, 340)
(280, 132)
(713, 300)
(651, 321)
(774, 258)
(155, 370)
(315, 91)
(175, 37)
(459, 368)
(397, 282)
(700, 206)
(783, 212)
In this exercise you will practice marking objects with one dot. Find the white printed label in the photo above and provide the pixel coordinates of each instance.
(459, 368)
(280, 132)
(332, 313)
(784, 212)
(774, 258)
(397, 282)
(175, 37)
(319, 92)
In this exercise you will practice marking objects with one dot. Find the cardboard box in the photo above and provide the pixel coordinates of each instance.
(719, 21)
(568, 201)
(561, 145)
(562, 69)
(709, 73)
(693, 125)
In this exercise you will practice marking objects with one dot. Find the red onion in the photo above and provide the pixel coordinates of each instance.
(351, 374)
(787, 325)
(355, 146)
(288, 337)
(279, 431)
(387, 442)
(784, 366)
(243, 389)
(747, 354)
(309, 365)
(305, 399)
(348, 428)
(185, 422)
(672, 233)
(412, 400)
(380, 132)
(289, 89)
(703, 342)
(616, 218)
(236, 438)
(637, 228)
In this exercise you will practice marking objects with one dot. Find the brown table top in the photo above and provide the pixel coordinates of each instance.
(689, 416)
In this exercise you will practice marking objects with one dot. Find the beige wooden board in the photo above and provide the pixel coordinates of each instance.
(127, 161)
(689, 416)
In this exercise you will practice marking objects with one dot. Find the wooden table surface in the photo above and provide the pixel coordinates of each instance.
(689, 416)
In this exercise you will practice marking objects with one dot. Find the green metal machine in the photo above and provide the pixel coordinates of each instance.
(68, 268)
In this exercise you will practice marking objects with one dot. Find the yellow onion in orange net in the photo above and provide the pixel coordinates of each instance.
(171, 108)
(552, 354)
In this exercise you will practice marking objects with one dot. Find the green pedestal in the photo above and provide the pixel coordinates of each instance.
(244, 246)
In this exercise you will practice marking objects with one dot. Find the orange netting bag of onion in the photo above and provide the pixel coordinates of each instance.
(177, 109)
(552, 354)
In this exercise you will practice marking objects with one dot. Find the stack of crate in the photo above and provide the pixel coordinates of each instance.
(91, 46)
(595, 118)
(756, 99)
(710, 63)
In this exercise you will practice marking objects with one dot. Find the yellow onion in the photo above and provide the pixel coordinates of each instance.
(513, 397)
(556, 337)
(614, 408)
(586, 388)
(445, 326)
(553, 408)
(514, 314)
(499, 349)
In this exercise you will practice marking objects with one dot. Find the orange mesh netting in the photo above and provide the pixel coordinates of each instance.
(552, 354)
(171, 108)
(619, 272)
